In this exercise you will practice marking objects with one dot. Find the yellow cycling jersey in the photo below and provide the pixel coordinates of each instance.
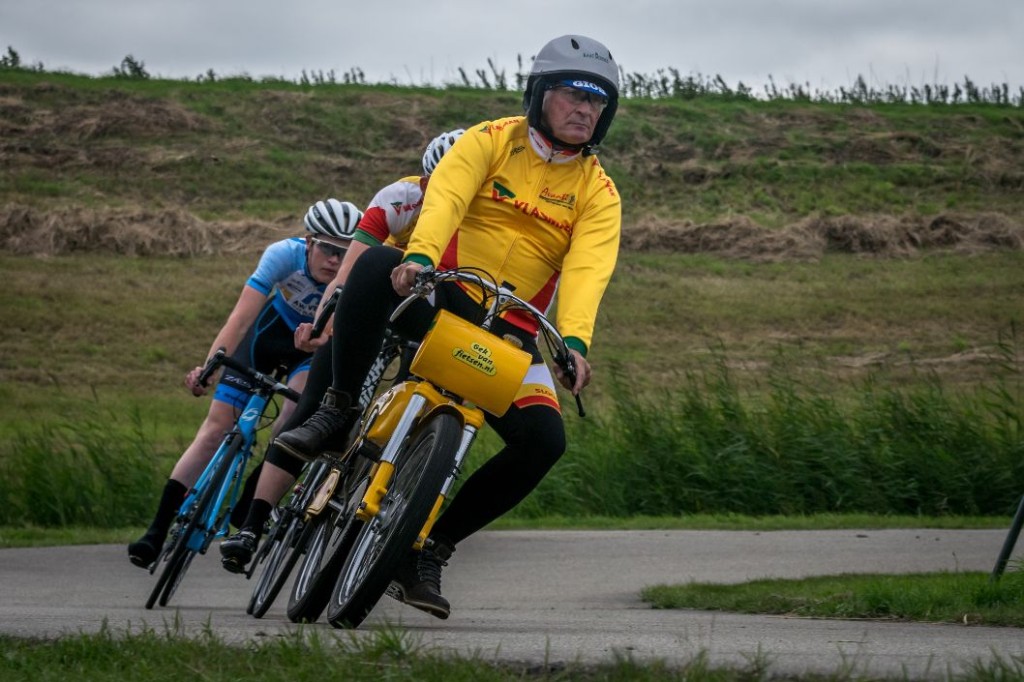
(503, 200)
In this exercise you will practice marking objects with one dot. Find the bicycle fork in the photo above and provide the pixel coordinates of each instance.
(424, 399)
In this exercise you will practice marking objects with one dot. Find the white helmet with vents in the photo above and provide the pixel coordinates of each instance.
(438, 147)
(333, 218)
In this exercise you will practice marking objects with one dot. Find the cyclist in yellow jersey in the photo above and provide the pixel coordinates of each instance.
(525, 199)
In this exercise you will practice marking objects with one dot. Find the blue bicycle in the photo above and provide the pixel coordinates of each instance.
(206, 511)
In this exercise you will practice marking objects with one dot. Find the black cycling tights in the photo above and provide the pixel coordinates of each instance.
(534, 436)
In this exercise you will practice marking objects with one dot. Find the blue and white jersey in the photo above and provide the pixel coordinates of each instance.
(282, 270)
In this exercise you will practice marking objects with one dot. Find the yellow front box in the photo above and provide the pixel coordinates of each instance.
(472, 363)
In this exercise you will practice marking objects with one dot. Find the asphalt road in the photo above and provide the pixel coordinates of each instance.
(563, 596)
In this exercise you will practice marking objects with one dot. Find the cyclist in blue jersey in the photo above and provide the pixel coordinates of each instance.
(282, 293)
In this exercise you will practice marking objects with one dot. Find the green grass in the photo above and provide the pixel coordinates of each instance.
(707, 447)
(966, 598)
(124, 331)
(390, 654)
(387, 654)
(851, 386)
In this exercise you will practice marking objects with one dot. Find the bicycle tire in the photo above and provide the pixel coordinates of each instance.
(280, 559)
(284, 544)
(331, 536)
(421, 467)
(179, 555)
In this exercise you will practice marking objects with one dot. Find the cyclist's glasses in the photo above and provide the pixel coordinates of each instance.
(577, 96)
(328, 249)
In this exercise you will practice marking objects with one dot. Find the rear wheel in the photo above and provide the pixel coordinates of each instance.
(328, 537)
(194, 532)
(421, 467)
(284, 544)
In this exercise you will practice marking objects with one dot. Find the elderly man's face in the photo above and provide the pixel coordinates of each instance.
(572, 114)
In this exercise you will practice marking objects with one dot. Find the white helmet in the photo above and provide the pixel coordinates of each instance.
(438, 147)
(333, 218)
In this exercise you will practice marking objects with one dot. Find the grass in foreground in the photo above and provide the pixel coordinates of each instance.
(969, 598)
(389, 654)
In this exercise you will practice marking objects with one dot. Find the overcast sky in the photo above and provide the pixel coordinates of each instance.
(825, 43)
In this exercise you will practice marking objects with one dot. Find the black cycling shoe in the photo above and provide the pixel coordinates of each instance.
(236, 552)
(418, 580)
(144, 551)
(326, 429)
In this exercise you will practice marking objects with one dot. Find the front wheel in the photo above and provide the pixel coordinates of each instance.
(421, 467)
(284, 544)
(194, 530)
(327, 539)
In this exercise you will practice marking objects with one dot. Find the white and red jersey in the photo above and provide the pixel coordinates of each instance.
(393, 212)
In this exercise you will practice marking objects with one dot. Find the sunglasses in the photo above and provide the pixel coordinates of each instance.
(329, 250)
(577, 96)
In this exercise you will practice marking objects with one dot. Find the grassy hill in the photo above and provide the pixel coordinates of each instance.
(241, 150)
(740, 216)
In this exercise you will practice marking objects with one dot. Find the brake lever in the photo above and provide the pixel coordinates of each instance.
(325, 314)
(424, 279)
(567, 362)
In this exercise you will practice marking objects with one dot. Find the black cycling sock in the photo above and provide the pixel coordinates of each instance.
(170, 501)
(241, 510)
(259, 512)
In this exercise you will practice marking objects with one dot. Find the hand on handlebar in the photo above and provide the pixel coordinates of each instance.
(582, 372)
(403, 277)
(192, 382)
(305, 341)
(199, 378)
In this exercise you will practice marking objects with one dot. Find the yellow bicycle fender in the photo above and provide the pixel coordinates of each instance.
(468, 414)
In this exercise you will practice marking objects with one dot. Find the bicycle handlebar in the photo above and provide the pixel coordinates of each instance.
(325, 314)
(503, 300)
(269, 383)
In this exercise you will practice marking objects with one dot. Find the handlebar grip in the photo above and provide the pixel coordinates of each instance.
(325, 314)
(215, 361)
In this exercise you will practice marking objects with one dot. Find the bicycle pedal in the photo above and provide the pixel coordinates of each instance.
(394, 591)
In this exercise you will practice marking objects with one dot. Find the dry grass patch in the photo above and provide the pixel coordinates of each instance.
(809, 239)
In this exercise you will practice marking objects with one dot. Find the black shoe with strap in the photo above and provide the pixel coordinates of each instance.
(236, 551)
(418, 581)
(326, 429)
(144, 551)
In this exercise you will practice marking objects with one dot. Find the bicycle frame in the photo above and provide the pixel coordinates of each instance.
(393, 417)
(245, 426)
